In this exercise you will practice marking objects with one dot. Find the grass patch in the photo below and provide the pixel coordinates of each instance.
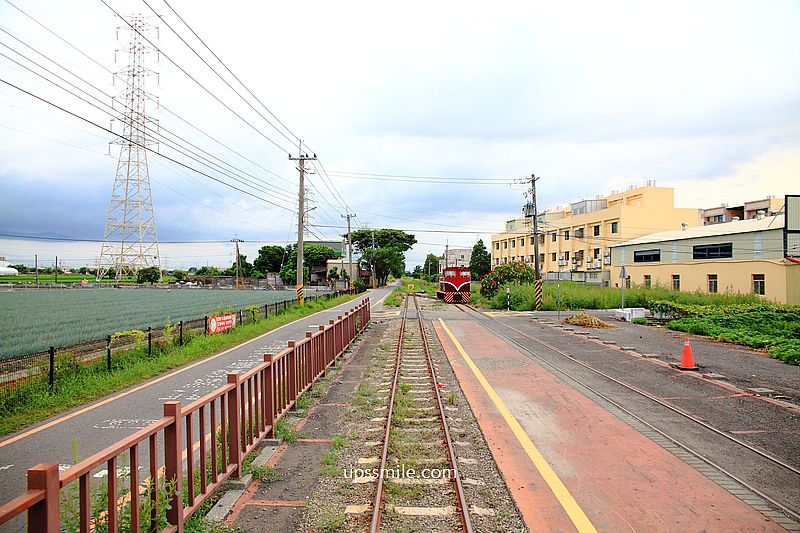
(394, 299)
(266, 474)
(405, 492)
(579, 296)
(451, 398)
(775, 330)
(330, 464)
(285, 431)
(78, 385)
(586, 321)
(330, 518)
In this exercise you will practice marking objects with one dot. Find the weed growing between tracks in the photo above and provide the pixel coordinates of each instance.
(78, 385)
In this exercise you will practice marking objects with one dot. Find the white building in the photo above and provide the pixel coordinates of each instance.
(6, 269)
(455, 257)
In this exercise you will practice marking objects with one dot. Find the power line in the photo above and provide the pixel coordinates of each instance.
(176, 146)
(116, 75)
(215, 97)
(146, 148)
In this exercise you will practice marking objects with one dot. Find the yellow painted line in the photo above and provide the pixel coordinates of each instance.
(568, 503)
(153, 382)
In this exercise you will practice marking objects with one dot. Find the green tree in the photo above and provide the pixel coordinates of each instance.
(208, 271)
(314, 255)
(270, 258)
(431, 266)
(400, 240)
(149, 275)
(247, 268)
(480, 263)
(384, 261)
(333, 276)
(417, 273)
(180, 275)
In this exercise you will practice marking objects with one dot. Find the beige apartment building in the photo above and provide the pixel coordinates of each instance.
(742, 256)
(577, 238)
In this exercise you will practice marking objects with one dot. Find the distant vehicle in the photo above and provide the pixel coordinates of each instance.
(454, 285)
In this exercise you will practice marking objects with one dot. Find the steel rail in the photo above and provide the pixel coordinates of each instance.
(379, 492)
(697, 454)
(466, 521)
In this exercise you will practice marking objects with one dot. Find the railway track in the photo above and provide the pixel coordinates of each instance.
(775, 462)
(417, 436)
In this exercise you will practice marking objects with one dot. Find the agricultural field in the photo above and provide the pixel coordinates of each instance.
(35, 320)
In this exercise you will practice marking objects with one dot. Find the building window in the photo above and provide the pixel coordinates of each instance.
(532, 258)
(531, 241)
(497, 245)
(648, 281)
(566, 234)
(597, 230)
(759, 284)
(553, 256)
(627, 282)
(554, 236)
(615, 227)
(676, 282)
(521, 243)
(712, 251)
(541, 258)
(505, 245)
(541, 238)
(597, 253)
(579, 233)
(647, 256)
(712, 283)
(566, 255)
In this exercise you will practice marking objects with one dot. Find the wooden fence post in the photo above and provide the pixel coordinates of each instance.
(44, 516)
(269, 394)
(173, 463)
(234, 423)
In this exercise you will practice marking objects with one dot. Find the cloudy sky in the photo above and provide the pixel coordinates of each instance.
(591, 96)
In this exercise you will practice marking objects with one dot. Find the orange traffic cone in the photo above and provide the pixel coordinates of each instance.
(687, 361)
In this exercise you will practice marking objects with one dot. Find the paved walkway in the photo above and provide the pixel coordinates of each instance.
(106, 421)
(572, 465)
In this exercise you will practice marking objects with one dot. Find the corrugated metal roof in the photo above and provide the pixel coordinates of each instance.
(712, 230)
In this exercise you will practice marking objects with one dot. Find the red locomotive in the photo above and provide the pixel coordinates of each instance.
(454, 285)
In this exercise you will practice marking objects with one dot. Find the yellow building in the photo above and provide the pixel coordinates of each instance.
(743, 256)
(577, 238)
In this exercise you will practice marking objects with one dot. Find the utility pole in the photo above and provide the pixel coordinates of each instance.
(537, 284)
(301, 211)
(36, 262)
(236, 240)
(349, 249)
(56, 269)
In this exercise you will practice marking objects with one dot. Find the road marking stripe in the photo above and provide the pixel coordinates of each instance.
(560, 491)
(101, 403)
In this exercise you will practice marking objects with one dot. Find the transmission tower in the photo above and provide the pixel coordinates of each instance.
(130, 242)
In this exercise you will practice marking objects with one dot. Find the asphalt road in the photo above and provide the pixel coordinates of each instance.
(110, 419)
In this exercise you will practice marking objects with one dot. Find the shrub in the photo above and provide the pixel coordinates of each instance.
(640, 320)
(503, 274)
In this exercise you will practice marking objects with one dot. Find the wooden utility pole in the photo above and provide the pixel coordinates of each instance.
(349, 249)
(301, 213)
(239, 276)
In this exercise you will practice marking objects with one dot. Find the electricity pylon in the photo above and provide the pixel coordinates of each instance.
(130, 241)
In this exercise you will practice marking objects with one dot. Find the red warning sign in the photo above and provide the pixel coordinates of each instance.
(218, 324)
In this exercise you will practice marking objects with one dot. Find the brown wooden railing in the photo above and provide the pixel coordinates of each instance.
(190, 451)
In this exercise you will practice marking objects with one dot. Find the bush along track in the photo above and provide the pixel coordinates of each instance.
(76, 384)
